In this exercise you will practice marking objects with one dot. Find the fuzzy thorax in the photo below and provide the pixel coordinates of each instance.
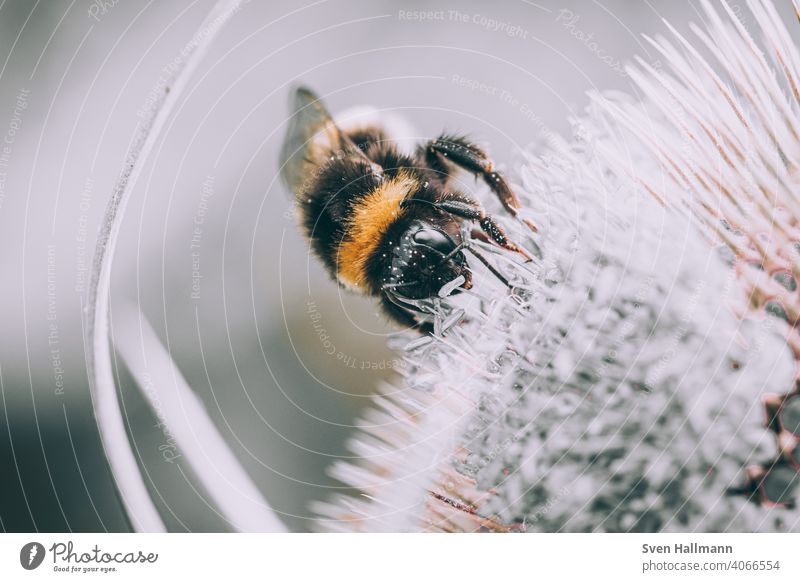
(371, 218)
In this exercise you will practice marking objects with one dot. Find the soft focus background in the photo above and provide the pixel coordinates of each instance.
(209, 249)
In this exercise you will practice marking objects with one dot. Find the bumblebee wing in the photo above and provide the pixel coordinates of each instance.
(311, 139)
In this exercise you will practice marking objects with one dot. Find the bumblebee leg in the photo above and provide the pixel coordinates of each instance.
(405, 317)
(473, 211)
(478, 234)
(464, 154)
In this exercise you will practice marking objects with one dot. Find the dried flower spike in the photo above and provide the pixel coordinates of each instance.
(617, 388)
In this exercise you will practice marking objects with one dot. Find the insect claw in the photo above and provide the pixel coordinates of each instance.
(531, 225)
(521, 251)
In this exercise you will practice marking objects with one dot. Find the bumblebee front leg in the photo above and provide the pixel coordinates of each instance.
(404, 317)
(467, 155)
(471, 210)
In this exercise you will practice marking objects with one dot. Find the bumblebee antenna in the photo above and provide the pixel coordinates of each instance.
(489, 266)
(453, 253)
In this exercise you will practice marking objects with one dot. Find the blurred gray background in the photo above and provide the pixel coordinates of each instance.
(73, 76)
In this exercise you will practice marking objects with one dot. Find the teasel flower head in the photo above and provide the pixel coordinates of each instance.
(619, 386)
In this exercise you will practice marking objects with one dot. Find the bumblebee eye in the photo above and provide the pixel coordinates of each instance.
(434, 239)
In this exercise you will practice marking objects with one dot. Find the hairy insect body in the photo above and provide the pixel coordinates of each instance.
(383, 222)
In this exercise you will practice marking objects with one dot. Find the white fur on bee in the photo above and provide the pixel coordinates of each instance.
(396, 127)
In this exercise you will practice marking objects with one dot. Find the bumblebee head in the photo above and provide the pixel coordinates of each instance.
(423, 260)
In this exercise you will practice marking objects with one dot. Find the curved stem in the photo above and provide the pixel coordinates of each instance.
(138, 504)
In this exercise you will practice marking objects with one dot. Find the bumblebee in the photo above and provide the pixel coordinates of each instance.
(386, 223)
